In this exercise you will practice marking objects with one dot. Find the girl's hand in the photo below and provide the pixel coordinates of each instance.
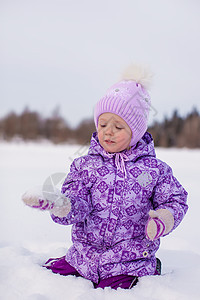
(53, 201)
(160, 223)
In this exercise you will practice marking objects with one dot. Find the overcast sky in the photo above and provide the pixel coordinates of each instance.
(66, 53)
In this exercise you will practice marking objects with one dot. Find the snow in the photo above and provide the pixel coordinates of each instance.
(29, 237)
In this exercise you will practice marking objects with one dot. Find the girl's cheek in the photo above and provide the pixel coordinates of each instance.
(100, 135)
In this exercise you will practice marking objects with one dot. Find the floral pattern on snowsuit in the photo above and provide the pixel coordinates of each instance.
(110, 210)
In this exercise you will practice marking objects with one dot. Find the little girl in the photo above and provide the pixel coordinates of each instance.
(119, 197)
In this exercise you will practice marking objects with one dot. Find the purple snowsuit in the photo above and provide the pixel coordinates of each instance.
(110, 206)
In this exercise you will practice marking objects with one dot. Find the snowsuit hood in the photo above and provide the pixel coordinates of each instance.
(111, 195)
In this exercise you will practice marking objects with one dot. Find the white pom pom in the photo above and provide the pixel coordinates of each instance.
(138, 73)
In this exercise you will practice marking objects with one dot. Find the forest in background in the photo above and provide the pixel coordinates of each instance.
(174, 131)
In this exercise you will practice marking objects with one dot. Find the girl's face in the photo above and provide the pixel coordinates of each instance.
(113, 133)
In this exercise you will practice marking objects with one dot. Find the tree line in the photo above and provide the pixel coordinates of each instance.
(174, 131)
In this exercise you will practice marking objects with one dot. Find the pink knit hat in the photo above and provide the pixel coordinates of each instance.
(129, 100)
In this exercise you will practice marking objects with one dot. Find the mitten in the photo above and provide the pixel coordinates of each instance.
(160, 223)
(54, 201)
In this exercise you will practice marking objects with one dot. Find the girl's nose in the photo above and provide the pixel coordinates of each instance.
(109, 130)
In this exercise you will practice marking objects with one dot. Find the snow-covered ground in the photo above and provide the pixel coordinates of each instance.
(29, 237)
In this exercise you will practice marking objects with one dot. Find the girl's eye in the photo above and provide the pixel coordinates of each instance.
(102, 125)
(119, 127)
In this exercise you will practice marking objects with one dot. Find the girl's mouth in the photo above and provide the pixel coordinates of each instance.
(109, 142)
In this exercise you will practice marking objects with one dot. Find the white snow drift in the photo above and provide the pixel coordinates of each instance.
(29, 237)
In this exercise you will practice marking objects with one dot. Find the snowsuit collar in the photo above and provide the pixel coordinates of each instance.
(120, 158)
(145, 147)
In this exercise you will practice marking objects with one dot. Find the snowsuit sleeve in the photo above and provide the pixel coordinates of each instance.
(76, 189)
(169, 194)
